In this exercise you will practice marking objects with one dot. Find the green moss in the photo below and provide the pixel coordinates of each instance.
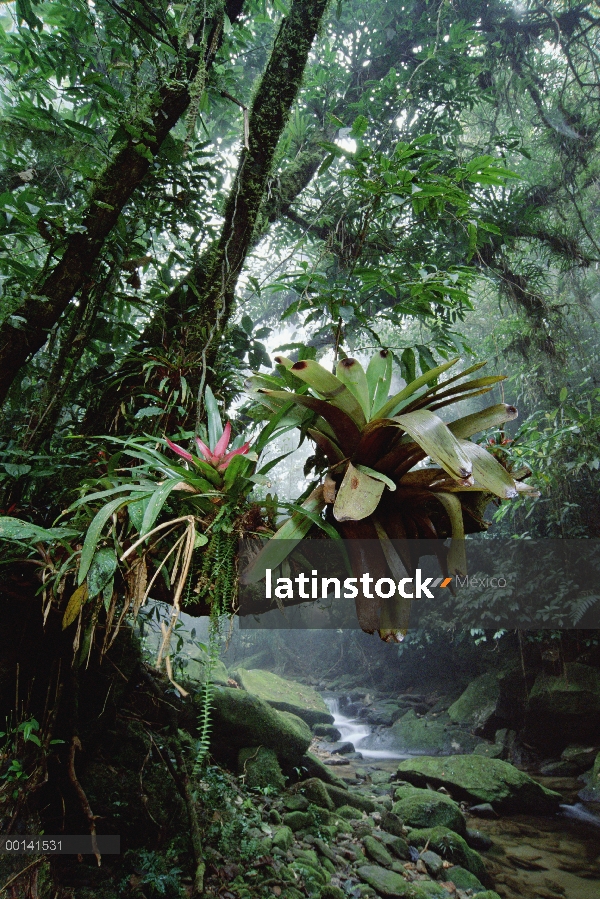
(427, 808)
(479, 779)
(478, 702)
(260, 768)
(285, 695)
(463, 879)
(450, 846)
(240, 720)
(415, 734)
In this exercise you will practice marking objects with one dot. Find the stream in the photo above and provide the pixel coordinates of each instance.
(533, 857)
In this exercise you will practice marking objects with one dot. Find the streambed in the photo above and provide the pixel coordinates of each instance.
(532, 857)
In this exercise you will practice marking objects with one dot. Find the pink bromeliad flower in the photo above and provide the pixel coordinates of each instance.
(218, 457)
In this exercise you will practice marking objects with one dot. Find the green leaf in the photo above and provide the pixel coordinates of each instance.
(491, 417)
(388, 410)
(437, 441)
(351, 373)
(457, 558)
(215, 425)
(563, 394)
(285, 539)
(358, 496)
(155, 504)
(101, 571)
(93, 535)
(377, 475)
(488, 472)
(330, 388)
(379, 377)
(25, 532)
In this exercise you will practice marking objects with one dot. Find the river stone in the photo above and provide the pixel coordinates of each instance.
(450, 846)
(331, 892)
(285, 695)
(478, 840)
(316, 792)
(481, 780)
(195, 665)
(345, 797)
(328, 731)
(487, 894)
(241, 720)
(427, 808)
(392, 823)
(283, 838)
(489, 750)
(413, 734)
(433, 862)
(387, 883)
(297, 820)
(349, 813)
(377, 852)
(477, 705)
(581, 757)
(294, 802)
(564, 707)
(463, 879)
(398, 845)
(260, 768)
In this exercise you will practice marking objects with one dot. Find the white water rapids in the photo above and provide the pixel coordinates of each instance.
(357, 732)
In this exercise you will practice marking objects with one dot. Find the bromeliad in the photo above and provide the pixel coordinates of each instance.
(218, 457)
(376, 487)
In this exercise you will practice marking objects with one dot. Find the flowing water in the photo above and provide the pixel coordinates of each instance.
(356, 732)
(533, 857)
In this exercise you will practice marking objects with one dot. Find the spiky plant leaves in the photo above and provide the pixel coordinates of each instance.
(379, 379)
(390, 408)
(437, 442)
(329, 388)
(351, 373)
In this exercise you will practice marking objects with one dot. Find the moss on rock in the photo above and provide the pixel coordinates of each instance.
(241, 720)
(413, 734)
(449, 845)
(427, 808)
(260, 767)
(285, 695)
(479, 779)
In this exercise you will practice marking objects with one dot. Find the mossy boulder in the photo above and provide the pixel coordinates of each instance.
(386, 883)
(390, 884)
(427, 808)
(398, 845)
(449, 845)
(194, 664)
(463, 879)
(482, 780)
(432, 736)
(283, 838)
(316, 792)
(260, 768)
(297, 820)
(349, 813)
(477, 705)
(240, 720)
(346, 797)
(564, 709)
(285, 695)
(327, 731)
(487, 894)
(377, 852)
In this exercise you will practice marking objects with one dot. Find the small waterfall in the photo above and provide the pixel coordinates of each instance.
(356, 732)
